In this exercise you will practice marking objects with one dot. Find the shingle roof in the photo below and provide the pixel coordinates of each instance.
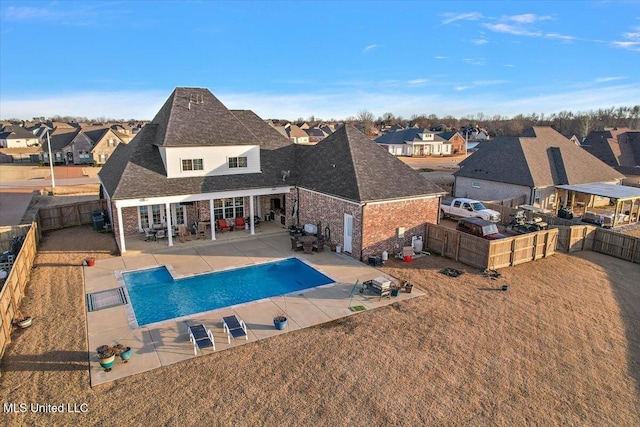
(615, 147)
(363, 171)
(136, 169)
(194, 117)
(16, 132)
(348, 165)
(60, 138)
(541, 157)
(404, 135)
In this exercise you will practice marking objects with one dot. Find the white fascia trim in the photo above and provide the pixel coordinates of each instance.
(406, 199)
(199, 197)
(333, 197)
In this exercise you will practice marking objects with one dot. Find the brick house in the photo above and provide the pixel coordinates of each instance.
(197, 160)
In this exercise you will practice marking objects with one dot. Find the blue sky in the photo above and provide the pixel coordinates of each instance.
(326, 59)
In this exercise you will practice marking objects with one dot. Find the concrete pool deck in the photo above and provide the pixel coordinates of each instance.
(167, 342)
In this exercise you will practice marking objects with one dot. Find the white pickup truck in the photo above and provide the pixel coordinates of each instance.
(465, 208)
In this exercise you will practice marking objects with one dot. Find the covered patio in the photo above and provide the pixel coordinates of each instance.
(622, 207)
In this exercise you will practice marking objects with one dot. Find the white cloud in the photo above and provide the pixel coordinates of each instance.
(527, 18)
(417, 82)
(608, 79)
(441, 57)
(369, 48)
(453, 17)
(511, 29)
(480, 42)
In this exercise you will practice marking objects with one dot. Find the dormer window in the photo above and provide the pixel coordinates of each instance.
(237, 162)
(192, 165)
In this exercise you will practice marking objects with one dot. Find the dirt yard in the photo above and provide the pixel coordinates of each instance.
(560, 347)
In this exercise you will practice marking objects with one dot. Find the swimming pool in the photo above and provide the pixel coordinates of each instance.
(155, 296)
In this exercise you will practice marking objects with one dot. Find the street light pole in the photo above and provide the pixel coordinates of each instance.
(53, 180)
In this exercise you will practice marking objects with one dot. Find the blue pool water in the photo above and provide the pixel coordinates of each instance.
(155, 296)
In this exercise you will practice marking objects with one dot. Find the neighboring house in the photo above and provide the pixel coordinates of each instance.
(209, 162)
(528, 166)
(616, 147)
(60, 138)
(316, 134)
(89, 146)
(457, 141)
(103, 142)
(415, 142)
(17, 137)
(296, 134)
(574, 138)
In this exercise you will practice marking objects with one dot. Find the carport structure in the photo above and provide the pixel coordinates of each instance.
(626, 200)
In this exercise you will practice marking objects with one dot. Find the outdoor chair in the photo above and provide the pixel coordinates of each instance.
(149, 234)
(160, 234)
(202, 230)
(201, 337)
(183, 233)
(240, 223)
(222, 225)
(234, 327)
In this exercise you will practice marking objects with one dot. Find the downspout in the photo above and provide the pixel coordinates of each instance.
(298, 210)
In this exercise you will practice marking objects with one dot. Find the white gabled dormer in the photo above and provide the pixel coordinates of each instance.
(184, 162)
(426, 136)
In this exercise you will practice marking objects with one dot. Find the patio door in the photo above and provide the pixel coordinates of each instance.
(348, 232)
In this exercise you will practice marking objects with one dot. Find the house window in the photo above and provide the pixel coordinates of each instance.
(84, 155)
(192, 165)
(112, 142)
(103, 158)
(144, 217)
(475, 184)
(156, 213)
(228, 208)
(237, 162)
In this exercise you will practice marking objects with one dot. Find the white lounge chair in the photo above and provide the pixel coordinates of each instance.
(234, 327)
(201, 337)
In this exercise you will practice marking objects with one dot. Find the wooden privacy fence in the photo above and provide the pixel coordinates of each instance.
(12, 290)
(592, 238)
(492, 254)
(70, 215)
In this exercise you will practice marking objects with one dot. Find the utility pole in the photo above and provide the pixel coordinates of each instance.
(53, 180)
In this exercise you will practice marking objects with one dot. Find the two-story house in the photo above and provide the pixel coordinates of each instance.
(198, 161)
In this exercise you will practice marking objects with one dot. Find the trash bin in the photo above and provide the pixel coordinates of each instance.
(98, 220)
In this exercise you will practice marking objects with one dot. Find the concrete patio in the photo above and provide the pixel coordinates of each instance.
(168, 342)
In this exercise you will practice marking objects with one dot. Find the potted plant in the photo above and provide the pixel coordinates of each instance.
(22, 320)
(106, 357)
(122, 351)
(280, 320)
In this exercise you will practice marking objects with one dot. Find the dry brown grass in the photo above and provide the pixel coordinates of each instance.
(560, 347)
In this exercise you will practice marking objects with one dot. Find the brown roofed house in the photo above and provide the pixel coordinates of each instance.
(199, 161)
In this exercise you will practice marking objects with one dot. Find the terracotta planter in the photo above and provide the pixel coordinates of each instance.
(91, 261)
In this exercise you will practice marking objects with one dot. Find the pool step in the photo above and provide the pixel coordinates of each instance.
(106, 299)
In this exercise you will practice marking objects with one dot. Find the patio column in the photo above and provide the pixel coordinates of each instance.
(251, 215)
(212, 220)
(123, 249)
(167, 207)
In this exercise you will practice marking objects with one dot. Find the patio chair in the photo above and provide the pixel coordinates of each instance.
(160, 234)
(149, 234)
(183, 233)
(201, 337)
(202, 230)
(222, 225)
(240, 223)
(234, 327)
